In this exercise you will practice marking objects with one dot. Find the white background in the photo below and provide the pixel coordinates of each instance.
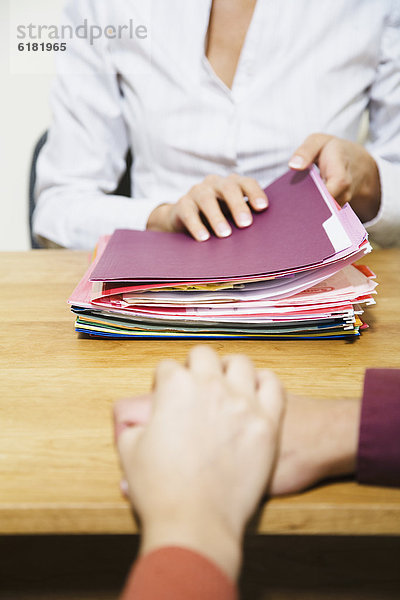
(24, 115)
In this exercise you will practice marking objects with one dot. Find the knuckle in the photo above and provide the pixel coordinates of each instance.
(184, 209)
(177, 379)
(166, 363)
(336, 143)
(166, 369)
(344, 182)
(241, 406)
(347, 197)
(183, 202)
(317, 139)
(195, 189)
(205, 193)
(215, 388)
(271, 377)
(250, 182)
(233, 177)
(320, 135)
(233, 358)
(211, 179)
(240, 359)
(187, 213)
(311, 137)
(201, 351)
(191, 221)
(230, 190)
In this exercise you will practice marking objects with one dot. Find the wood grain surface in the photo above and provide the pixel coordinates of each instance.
(58, 468)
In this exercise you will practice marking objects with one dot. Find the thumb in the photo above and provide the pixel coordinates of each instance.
(271, 396)
(131, 411)
(309, 151)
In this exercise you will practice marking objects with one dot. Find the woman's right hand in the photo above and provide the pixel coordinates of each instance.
(203, 200)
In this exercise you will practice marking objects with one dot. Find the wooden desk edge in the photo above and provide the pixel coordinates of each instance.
(348, 519)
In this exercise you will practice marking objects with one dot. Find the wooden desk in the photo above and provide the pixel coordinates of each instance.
(58, 467)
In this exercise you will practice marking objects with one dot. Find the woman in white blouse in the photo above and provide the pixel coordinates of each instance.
(215, 101)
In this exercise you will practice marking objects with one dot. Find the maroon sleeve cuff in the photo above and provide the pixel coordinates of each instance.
(378, 460)
(177, 574)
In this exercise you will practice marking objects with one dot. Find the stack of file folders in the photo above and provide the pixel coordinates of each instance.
(288, 276)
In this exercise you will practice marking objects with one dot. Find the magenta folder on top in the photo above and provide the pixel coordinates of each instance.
(302, 228)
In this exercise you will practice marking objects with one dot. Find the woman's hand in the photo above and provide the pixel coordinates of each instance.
(203, 200)
(349, 171)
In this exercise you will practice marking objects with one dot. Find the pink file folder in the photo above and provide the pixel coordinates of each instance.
(291, 235)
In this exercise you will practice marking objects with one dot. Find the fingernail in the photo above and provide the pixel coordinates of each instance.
(260, 203)
(123, 484)
(244, 219)
(297, 162)
(119, 428)
(223, 230)
(202, 235)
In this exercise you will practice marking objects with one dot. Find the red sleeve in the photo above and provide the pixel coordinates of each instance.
(177, 574)
(378, 460)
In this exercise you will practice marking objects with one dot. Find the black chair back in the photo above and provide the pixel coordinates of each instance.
(123, 189)
(32, 182)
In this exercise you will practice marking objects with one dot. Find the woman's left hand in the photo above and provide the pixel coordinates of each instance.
(349, 171)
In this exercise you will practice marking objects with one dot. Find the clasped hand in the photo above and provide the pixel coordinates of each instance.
(196, 470)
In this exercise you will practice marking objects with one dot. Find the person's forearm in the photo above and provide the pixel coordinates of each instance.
(173, 573)
(385, 226)
(340, 438)
(76, 218)
(188, 480)
(200, 533)
(319, 441)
